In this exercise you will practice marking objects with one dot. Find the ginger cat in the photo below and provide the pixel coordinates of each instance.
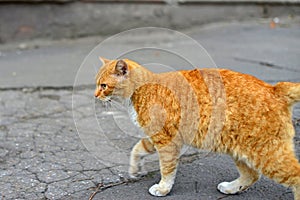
(214, 109)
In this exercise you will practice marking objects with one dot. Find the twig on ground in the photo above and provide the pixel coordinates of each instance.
(101, 187)
(223, 197)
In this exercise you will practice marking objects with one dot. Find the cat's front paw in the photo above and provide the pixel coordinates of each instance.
(138, 174)
(231, 187)
(158, 191)
(134, 172)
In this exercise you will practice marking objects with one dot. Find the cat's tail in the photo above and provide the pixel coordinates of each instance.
(291, 91)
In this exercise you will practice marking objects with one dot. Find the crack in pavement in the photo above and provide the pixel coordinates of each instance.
(267, 64)
(35, 138)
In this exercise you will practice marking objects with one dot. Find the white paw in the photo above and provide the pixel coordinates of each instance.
(230, 187)
(155, 190)
(135, 173)
(133, 176)
(138, 174)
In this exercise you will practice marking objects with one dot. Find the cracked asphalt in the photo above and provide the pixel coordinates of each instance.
(42, 156)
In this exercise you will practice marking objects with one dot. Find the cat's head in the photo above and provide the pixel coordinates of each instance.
(114, 79)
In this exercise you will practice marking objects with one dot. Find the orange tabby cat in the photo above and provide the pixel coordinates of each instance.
(215, 109)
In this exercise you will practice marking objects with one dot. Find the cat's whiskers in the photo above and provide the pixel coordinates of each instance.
(106, 104)
(95, 68)
(117, 105)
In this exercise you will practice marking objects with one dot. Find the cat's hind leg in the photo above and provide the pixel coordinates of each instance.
(248, 177)
(283, 167)
(296, 190)
(141, 149)
(168, 158)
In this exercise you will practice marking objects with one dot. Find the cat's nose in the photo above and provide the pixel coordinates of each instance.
(97, 93)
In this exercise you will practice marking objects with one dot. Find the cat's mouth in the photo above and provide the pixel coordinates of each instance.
(104, 99)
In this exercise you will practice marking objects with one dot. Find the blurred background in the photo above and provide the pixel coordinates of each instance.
(31, 19)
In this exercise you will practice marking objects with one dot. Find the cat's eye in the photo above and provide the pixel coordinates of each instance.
(103, 86)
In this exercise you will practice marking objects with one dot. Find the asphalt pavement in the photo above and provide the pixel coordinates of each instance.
(57, 142)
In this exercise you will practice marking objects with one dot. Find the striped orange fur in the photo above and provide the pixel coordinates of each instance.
(215, 109)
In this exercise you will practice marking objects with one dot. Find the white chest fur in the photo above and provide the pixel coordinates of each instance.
(133, 115)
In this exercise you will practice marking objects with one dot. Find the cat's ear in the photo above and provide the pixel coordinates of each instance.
(121, 68)
(104, 60)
